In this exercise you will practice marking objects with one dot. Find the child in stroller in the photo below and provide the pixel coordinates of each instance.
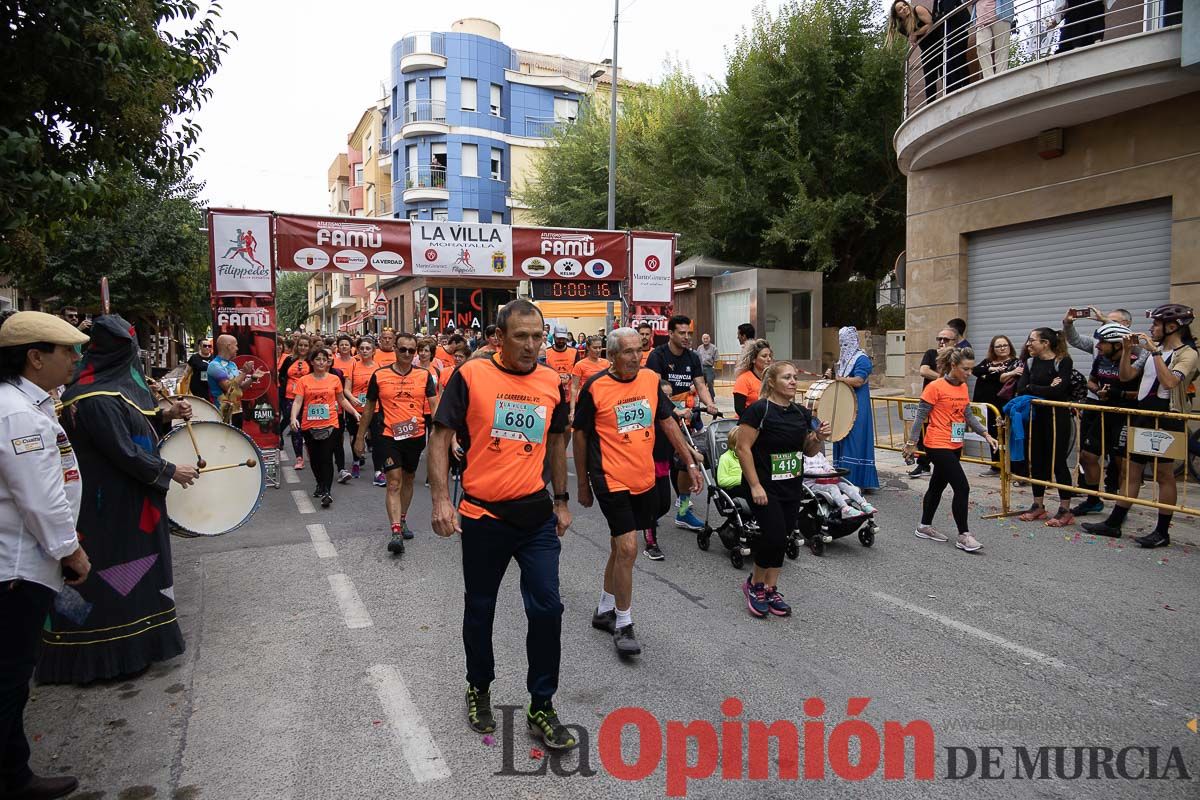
(821, 478)
(825, 513)
(723, 477)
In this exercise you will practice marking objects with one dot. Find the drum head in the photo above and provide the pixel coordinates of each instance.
(202, 410)
(220, 500)
(833, 402)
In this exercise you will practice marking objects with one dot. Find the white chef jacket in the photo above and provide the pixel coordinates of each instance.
(40, 487)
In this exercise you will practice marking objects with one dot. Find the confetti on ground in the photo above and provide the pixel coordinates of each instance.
(1168, 608)
(489, 740)
(536, 754)
(376, 722)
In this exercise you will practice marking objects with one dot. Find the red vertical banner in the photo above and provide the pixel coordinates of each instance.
(251, 320)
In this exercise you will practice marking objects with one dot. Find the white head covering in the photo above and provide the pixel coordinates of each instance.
(848, 339)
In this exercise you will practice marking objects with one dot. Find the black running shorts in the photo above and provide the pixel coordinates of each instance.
(627, 512)
(402, 454)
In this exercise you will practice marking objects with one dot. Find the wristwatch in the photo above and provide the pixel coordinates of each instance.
(562, 498)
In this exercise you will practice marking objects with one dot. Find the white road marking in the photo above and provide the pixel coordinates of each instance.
(284, 457)
(353, 610)
(303, 503)
(409, 729)
(971, 630)
(320, 540)
(290, 476)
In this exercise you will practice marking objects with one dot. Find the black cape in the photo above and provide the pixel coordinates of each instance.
(123, 617)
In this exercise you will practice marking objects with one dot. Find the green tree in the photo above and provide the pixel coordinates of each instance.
(664, 153)
(151, 246)
(811, 101)
(88, 90)
(291, 299)
(788, 165)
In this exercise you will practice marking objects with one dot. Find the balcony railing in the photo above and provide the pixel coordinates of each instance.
(531, 64)
(423, 42)
(543, 127)
(425, 177)
(385, 147)
(383, 207)
(1024, 31)
(425, 111)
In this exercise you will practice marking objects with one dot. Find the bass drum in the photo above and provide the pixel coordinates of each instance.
(833, 402)
(202, 410)
(221, 500)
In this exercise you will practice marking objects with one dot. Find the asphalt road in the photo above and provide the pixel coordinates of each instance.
(318, 666)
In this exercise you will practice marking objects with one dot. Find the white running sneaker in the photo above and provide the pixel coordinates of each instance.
(850, 512)
(930, 532)
(967, 542)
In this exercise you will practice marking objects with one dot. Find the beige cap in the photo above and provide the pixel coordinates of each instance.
(27, 327)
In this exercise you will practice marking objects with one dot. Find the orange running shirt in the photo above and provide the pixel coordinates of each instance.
(384, 358)
(646, 355)
(320, 399)
(503, 420)
(403, 399)
(586, 368)
(563, 362)
(948, 420)
(359, 379)
(295, 372)
(748, 385)
(620, 420)
(444, 375)
(346, 365)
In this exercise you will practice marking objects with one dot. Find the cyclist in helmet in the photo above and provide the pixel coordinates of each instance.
(1100, 431)
(1172, 365)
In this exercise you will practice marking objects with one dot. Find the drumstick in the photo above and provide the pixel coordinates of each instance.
(187, 423)
(249, 462)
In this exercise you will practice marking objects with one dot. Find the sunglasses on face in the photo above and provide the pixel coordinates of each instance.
(407, 350)
(943, 339)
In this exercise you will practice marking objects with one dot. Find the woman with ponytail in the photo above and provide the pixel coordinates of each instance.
(945, 405)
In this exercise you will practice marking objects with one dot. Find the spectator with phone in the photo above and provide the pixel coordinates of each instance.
(40, 494)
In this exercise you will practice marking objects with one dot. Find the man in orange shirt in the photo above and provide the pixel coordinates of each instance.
(618, 416)
(560, 357)
(646, 332)
(401, 394)
(509, 415)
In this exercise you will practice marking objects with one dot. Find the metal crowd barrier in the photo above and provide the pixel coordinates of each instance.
(904, 414)
(1154, 442)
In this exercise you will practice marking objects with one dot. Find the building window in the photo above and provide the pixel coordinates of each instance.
(497, 217)
(369, 152)
(470, 160)
(565, 109)
(437, 151)
(470, 215)
(467, 89)
(440, 215)
(358, 174)
(497, 164)
(437, 94)
(495, 108)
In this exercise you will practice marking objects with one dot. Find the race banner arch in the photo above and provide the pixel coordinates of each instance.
(246, 247)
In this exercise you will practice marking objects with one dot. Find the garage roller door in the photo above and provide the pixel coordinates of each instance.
(1027, 276)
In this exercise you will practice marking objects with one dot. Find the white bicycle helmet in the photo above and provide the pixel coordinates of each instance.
(1112, 332)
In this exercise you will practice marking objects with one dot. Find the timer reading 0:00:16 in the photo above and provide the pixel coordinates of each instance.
(580, 289)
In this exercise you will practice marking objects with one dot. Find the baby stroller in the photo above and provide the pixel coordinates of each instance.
(738, 528)
(820, 522)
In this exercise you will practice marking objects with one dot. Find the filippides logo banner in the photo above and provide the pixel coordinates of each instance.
(461, 249)
(241, 253)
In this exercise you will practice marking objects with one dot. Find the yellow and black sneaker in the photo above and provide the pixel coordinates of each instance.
(479, 711)
(544, 724)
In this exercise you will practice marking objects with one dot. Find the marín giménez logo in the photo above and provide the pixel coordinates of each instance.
(852, 749)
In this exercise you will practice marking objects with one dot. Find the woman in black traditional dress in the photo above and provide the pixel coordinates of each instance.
(124, 619)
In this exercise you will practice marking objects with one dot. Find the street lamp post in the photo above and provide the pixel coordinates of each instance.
(612, 148)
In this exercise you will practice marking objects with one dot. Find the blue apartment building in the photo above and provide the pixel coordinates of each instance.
(467, 111)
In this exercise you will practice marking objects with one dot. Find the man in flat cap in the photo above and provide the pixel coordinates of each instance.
(40, 491)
